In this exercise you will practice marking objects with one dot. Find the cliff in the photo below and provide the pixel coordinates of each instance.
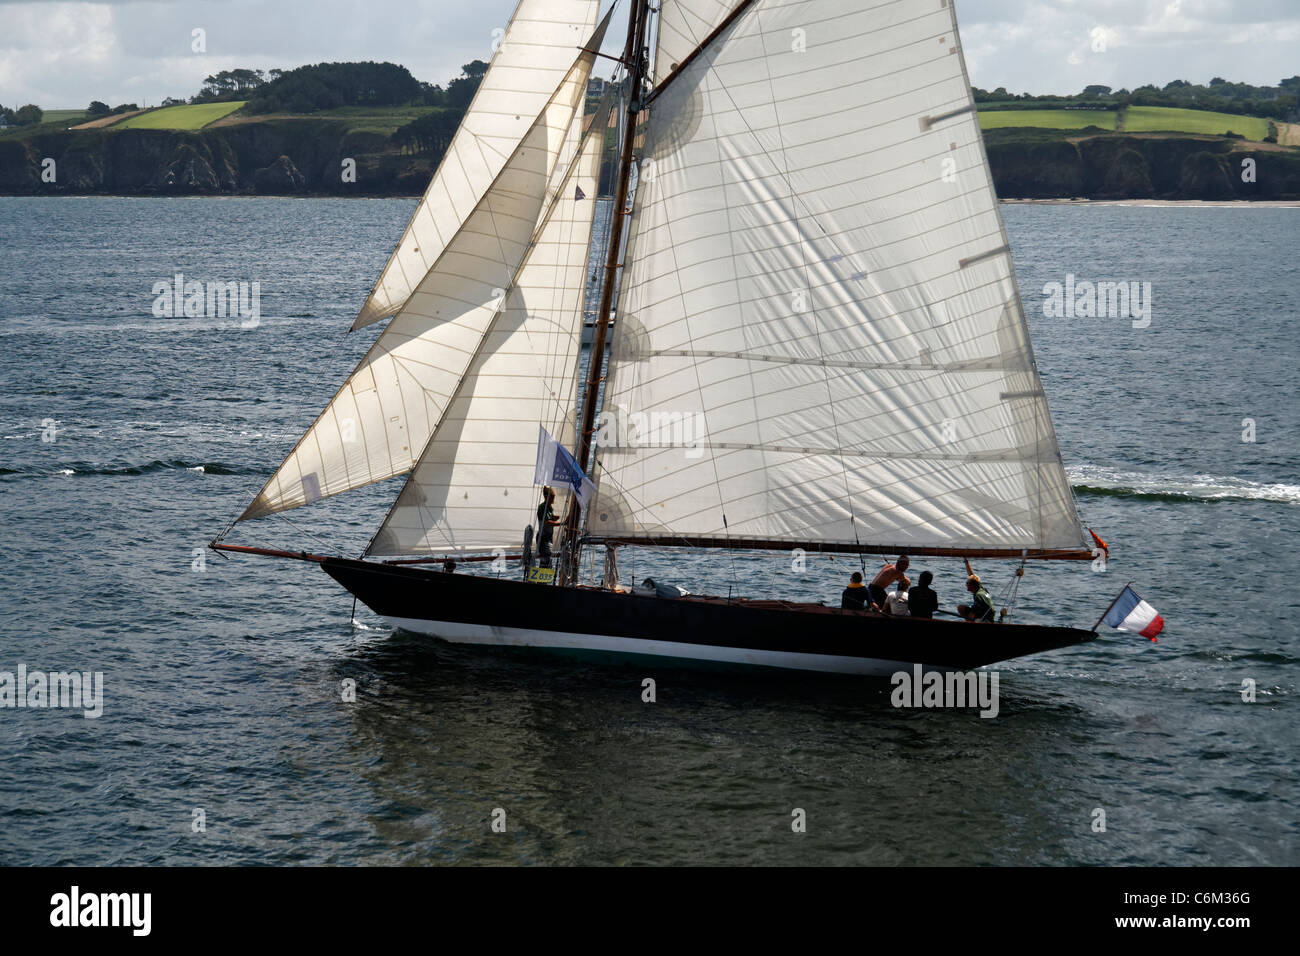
(274, 157)
(304, 156)
(1093, 164)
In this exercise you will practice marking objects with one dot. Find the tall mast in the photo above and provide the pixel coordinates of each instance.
(635, 59)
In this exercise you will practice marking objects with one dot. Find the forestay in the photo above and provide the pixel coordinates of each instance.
(535, 52)
(819, 298)
(380, 420)
(472, 489)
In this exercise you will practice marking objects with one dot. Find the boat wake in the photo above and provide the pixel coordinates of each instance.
(1103, 483)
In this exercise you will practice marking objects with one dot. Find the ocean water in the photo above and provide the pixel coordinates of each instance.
(128, 441)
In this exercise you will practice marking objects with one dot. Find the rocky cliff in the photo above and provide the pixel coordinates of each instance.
(285, 157)
(1049, 164)
(310, 157)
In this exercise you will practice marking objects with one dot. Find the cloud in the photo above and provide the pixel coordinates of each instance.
(66, 54)
(1050, 46)
(61, 54)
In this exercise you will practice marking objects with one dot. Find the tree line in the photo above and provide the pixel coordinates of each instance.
(1281, 102)
(98, 110)
(323, 86)
(28, 115)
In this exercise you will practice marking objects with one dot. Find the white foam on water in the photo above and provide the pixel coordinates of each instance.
(1193, 487)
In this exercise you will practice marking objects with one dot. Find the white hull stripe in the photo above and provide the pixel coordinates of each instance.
(566, 640)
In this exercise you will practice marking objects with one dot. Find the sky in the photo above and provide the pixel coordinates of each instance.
(63, 55)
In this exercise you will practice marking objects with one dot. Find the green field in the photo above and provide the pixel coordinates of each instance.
(1136, 119)
(1143, 119)
(1047, 119)
(67, 117)
(375, 119)
(181, 117)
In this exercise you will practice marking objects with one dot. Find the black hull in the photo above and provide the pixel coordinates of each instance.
(473, 609)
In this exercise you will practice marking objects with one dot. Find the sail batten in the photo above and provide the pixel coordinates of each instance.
(823, 291)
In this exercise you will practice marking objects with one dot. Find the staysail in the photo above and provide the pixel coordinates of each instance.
(380, 420)
(820, 341)
(535, 53)
(472, 489)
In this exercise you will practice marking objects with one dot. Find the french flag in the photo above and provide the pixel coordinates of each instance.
(1131, 613)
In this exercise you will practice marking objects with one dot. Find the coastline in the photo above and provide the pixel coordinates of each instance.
(1203, 203)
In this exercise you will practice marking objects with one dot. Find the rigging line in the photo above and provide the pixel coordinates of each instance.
(328, 546)
(699, 385)
(803, 252)
(470, 369)
(546, 207)
(606, 475)
(832, 240)
(576, 222)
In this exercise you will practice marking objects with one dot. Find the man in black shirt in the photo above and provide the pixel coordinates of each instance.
(546, 525)
(922, 601)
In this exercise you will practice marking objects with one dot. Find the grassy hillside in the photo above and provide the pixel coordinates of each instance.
(1133, 119)
(104, 122)
(1140, 119)
(194, 116)
(186, 150)
(1047, 119)
(66, 117)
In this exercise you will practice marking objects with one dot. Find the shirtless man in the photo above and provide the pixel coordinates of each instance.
(888, 575)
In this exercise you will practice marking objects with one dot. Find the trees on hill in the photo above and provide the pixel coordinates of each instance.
(462, 89)
(325, 86)
(28, 115)
(230, 85)
(98, 110)
(431, 133)
(1281, 102)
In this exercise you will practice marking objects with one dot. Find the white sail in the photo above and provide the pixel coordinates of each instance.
(472, 489)
(379, 421)
(535, 53)
(683, 26)
(820, 303)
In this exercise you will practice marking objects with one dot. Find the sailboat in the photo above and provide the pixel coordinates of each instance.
(815, 300)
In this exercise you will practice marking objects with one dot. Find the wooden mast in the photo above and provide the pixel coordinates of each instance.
(635, 59)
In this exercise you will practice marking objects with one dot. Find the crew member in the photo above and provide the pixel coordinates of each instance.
(896, 602)
(888, 575)
(921, 600)
(854, 597)
(547, 522)
(981, 608)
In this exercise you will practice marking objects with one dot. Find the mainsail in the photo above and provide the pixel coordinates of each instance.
(381, 419)
(534, 55)
(472, 489)
(820, 288)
